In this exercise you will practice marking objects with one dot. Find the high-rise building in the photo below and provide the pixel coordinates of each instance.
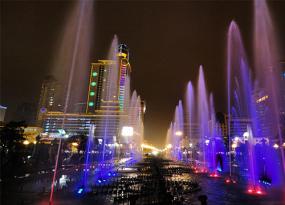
(100, 82)
(49, 97)
(107, 102)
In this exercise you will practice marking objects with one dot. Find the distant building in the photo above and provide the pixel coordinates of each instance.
(49, 97)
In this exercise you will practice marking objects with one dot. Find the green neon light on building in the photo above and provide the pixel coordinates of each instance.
(93, 83)
(92, 93)
(94, 74)
(91, 104)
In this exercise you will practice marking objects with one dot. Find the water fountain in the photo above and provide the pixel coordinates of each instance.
(73, 55)
(203, 118)
(190, 115)
(268, 74)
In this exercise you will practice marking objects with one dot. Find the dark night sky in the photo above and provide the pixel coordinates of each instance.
(167, 40)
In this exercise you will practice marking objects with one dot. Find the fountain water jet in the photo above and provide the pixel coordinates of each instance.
(79, 22)
(203, 115)
(268, 75)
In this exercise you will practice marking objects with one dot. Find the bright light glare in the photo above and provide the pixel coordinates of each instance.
(178, 133)
(234, 145)
(75, 144)
(127, 131)
(245, 135)
(276, 146)
(26, 142)
(169, 146)
(154, 152)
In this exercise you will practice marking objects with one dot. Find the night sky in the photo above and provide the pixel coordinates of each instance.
(168, 40)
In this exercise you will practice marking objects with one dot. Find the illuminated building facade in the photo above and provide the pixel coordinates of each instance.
(100, 82)
(108, 113)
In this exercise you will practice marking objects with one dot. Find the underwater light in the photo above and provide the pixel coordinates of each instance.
(80, 191)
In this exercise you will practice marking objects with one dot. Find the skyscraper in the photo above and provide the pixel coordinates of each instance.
(99, 93)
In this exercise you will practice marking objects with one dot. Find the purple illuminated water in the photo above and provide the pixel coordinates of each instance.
(203, 116)
(268, 74)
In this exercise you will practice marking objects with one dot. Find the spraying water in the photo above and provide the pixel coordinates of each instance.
(71, 61)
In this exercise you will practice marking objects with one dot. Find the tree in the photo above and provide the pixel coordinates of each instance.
(10, 136)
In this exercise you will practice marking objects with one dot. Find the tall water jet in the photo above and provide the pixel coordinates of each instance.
(190, 116)
(72, 58)
(213, 137)
(268, 73)
(89, 147)
(239, 93)
(110, 97)
(177, 131)
(203, 116)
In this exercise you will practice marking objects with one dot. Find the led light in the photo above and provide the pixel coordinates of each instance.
(80, 191)
(91, 104)
(93, 83)
(92, 93)
(94, 74)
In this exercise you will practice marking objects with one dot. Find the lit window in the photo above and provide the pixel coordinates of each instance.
(94, 74)
(93, 84)
(91, 104)
(92, 93)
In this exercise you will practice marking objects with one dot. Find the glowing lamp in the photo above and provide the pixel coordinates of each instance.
(127, 131)
(26, 142)
(75, 144)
